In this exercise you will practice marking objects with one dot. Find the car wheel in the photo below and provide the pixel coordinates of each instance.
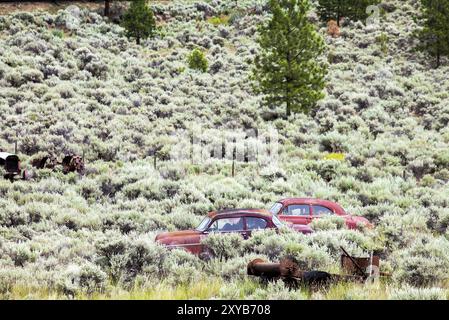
(206, 255)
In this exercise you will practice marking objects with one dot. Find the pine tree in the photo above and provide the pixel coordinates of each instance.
(331, 10)
(139, 21)
(435, 34)
(197, 60)
(286, 69)
(351, 9)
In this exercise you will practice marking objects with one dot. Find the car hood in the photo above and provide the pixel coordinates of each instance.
(305, 229)
(177, 234)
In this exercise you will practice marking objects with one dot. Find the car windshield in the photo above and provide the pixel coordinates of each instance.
(275, 208)
(203, 225)
(277, 222)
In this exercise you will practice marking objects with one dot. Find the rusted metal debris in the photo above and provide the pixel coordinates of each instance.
(73, 163)
(368, 266)
(47, 162)
(70, 163)
(357, 269)
(288, 270)
(333, 29)
(11, 164)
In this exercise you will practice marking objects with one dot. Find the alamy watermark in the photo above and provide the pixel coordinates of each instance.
(373, 12)
(198, 145)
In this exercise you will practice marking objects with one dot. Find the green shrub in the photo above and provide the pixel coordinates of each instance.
(58, 33)
(410, 293)
(383, 40)
(424, 262)
(139, 21)
(328, 223)
(180, 267)
(218, 20)
(87, 278)
(277, 291)
(197, 60)
(223, 246)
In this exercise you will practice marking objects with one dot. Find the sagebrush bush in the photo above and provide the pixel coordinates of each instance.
(72, 82)
(328, 223)
(87, 278)
(276, 291)
(424, 262)
(410, 293)
(223, 246)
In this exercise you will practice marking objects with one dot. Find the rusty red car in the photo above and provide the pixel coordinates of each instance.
(302, 211)
(242, 221)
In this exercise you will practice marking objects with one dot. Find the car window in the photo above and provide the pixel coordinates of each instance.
(253, 223)
(227, 225)
(275, 208)
(320, 210)
(297, 210)
(277, 222)
(203, 225)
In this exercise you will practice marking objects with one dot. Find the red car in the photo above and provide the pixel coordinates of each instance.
(301, 211)
(242, 221)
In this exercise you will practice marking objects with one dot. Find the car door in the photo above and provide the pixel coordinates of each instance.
(193, 243)
(319, 211)
(296, 214)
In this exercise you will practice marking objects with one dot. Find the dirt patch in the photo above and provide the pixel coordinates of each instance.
(53, 6)
(50, 6)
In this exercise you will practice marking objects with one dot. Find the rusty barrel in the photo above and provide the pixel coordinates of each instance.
(287, 268)
(261, 268)
(348, 265)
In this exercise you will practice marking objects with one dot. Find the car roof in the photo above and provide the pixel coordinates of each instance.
(231, 212)
(312, 201)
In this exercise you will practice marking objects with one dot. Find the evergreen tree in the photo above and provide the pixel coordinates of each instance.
(351, 9)
(286, 69)
(435, 34)
(139, 20)
(197, 60)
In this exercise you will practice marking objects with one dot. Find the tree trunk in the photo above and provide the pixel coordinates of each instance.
(438, 58)
(138, 39)
(338, 15)
(107, 7)
(288, 80)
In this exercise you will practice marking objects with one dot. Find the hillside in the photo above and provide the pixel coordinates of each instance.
(71, 82)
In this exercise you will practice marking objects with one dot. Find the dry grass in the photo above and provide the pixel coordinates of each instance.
(209, 288)
(203, 289)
